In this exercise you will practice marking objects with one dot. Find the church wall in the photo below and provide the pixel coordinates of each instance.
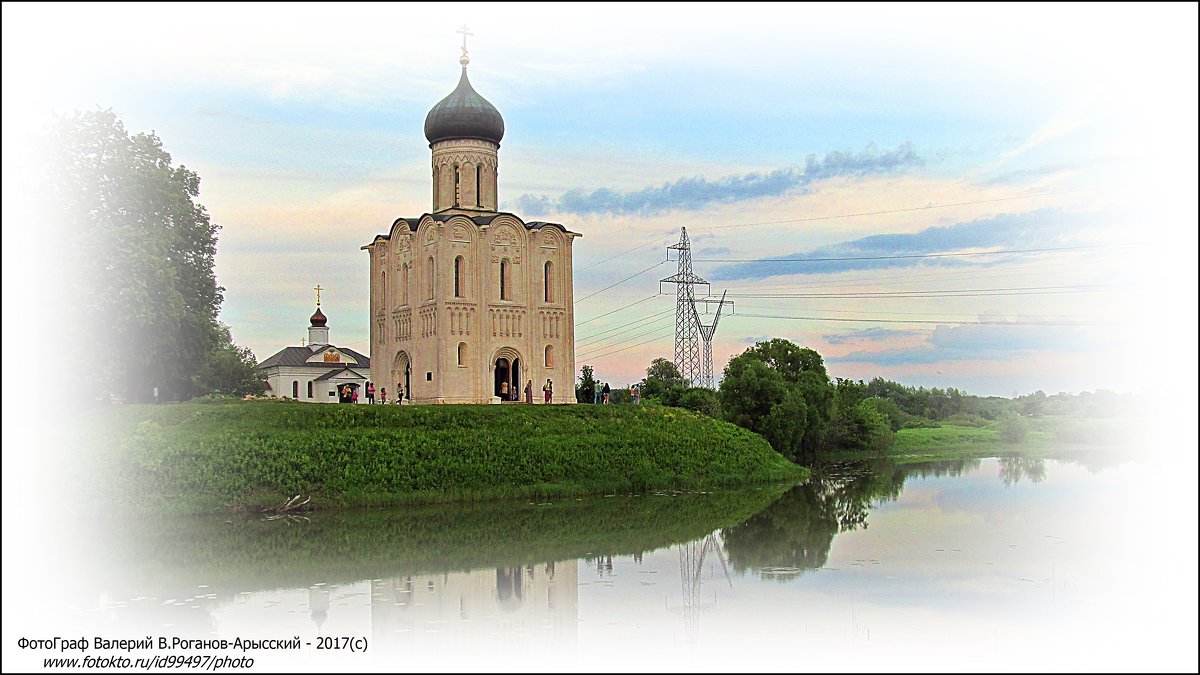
(281, 377)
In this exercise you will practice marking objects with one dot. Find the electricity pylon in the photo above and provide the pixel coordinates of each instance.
(706, 332)
(687, 346)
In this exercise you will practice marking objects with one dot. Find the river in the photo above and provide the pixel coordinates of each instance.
(993, 564)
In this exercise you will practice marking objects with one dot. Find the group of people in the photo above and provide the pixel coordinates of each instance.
(383, 395)
(604, 395)
(510, 394)
(350, 393)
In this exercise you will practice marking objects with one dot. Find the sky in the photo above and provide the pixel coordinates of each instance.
(998, 198)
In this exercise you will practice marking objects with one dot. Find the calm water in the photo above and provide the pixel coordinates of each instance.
(980, 564)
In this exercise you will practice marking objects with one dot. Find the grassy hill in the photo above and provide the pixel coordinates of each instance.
(244, 454)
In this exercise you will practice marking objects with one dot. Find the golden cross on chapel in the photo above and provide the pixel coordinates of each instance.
(318, 289)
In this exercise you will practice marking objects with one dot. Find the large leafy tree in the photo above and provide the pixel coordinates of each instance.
(780, 373)
(142, 252)
(662, 376)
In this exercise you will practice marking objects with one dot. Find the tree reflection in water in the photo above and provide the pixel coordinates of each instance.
(794, 534)
(1013, 469)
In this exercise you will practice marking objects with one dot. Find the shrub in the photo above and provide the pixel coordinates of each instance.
(966, 420)
(1013, 428)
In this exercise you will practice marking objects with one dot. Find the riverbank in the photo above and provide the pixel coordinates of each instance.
(245, 455)
(1041, 438)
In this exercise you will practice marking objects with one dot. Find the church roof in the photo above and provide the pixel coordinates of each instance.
(464, 114)
(299, 356)
(481, 221)
(334, 373)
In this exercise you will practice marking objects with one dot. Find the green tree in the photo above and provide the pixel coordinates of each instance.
(143, 250)
(661, 376)
(585, 391)
(229, 369)
(702, 400)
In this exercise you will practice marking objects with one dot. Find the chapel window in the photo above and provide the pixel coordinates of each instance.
(457, 186)
(479, 185)
(505, 282)
(462, 354)
(295, 389)
(549, 356)
(458, 277)
(431, 277)
(548, 279)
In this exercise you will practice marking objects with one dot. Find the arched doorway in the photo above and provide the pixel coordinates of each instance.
(400, 382)
(506, 370)
(503, 379)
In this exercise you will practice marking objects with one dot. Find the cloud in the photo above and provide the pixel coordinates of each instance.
(989, 342)
(694, 193)
(871, 335)
(1044, 228)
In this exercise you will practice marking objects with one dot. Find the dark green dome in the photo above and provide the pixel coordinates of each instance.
(464, 114)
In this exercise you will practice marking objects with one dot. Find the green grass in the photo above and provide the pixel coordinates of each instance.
(1047, 438)
(247, 454)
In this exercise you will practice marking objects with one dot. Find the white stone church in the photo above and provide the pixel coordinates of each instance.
(470, 304)
(317, 372)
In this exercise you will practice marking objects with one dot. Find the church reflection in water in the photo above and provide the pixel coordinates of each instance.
(508, 605)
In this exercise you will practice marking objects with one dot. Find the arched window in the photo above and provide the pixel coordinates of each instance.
(310, 389)
(462, 354)
(459, 280)
(383, 290)
(432, 270)
(404, 287)
(295, 389)
(549, 356)
(505, 282)
(457, 186)
(479, 185)
(547, 278)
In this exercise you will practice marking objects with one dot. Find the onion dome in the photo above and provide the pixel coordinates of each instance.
(318, 319)
(464, 114)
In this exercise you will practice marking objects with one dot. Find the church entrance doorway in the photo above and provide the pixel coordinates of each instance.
(399, 385)
(346, 393)
(507, 381)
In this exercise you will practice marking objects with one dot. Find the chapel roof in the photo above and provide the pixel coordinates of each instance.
(299, 356)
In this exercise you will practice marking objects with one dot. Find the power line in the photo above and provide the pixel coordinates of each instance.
(905, 257)
(584, 340)
(944, 293)
(619, 282)
(601, 316)
(923, 321)
(635, 248)
(615, 351)
(600, 348)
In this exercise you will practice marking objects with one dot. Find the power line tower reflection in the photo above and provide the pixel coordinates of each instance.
(691, 570)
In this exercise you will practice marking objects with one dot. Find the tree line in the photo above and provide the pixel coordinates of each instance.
(783, 392)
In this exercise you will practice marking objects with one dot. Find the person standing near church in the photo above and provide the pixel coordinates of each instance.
(354, 395)
(383, 396)
(370, 393)
(529, 392)
(504, 390)
(399, 394)
(549, 389)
